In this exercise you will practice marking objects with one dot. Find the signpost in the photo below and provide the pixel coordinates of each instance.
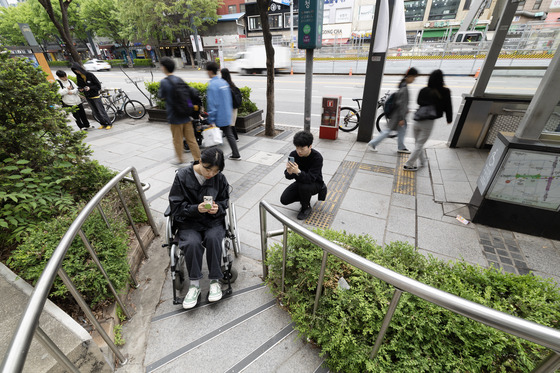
(310, 37)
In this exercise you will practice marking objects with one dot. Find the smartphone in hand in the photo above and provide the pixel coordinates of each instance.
(208, 200)
(291, 159)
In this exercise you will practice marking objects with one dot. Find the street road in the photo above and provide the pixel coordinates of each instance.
(289, 91)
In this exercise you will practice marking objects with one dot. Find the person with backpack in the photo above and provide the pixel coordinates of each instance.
(71, 98)
(179, 106)
(434, 100)
(219, 106)
(236, 99)
(396, 111)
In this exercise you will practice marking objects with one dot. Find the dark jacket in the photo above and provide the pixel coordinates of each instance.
(440, 98)
(186, 194)
(167, 92)
(90, 81)
(401, 107)
(311, 168)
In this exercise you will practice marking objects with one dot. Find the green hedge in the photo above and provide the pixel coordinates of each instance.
(143, 62)
(247, 106)
(422, 337)
(59, 64)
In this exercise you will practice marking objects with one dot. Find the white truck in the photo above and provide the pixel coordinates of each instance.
(253, 60)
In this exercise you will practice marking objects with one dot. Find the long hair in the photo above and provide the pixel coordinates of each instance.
(435, 81)
(410, 72)
(226, 75)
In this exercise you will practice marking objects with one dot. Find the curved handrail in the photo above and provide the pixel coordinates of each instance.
(14, 359)
(531, 331)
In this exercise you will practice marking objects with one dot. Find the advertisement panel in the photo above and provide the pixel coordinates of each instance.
(310, 25)
(338, 11)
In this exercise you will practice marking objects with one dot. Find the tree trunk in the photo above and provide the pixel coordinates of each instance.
(63, 28)
(267, 36)
(124, 43)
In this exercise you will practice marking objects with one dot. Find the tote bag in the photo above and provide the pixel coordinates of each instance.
(211, 136)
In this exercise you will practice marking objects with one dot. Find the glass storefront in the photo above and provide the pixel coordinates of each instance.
(414, 10)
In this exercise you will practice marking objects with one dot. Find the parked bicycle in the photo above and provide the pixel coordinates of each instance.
(117, 103)
(350, 117)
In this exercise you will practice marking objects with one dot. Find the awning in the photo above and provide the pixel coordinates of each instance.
(230, 17)
(106, 46)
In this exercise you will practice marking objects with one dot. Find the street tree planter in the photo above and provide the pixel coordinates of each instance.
(249, 122)
(157, 115)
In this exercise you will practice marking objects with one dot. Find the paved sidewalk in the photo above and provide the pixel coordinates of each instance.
(368, 193)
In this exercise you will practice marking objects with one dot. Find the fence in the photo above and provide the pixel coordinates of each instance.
(528, 330)
(14, 359)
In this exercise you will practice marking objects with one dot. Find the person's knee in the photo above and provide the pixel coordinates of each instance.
(307, 189)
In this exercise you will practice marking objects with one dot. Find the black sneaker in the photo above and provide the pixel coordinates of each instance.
(234, 158)
(323, 193)
(304, 213)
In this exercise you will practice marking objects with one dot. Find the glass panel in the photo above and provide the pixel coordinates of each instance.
(443, 9)
(553, 124)
(287, 20)
(414, 10)
(255, 23)
(275, 21)
(515, 81)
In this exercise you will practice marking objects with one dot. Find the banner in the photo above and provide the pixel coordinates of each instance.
(397, 35)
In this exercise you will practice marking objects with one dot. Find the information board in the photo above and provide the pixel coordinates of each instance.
(310, 24)
(492, 163)
(529, 178)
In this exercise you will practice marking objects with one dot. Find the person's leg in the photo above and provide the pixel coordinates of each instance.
(422, 131)
(305, 192)
(213, 242)
(190, 241)
(401, 132)
(78, 119)
(188, 134)
(97, 105)
(83, 117)
(290, 194)
(177, 133)
(233, 120)
(231, 141)
(382, 136)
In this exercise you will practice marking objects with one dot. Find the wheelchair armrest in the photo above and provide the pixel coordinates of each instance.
(167, 211)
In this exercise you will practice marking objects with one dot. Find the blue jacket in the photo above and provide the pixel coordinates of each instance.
(218, 102)
(166, 92)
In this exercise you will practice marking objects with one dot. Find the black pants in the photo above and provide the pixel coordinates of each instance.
(98, 111)
(80, 116)
(193, 242)
(228, 131)
(300, 192)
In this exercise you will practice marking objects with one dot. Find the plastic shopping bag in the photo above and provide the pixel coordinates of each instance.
(211, 136)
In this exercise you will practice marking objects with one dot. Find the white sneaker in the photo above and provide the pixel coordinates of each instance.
(192, 297)
(215, 291)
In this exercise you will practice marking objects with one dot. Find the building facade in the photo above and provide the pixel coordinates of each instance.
(231, 7)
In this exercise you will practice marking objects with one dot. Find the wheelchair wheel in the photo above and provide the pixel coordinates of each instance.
(179, 280)
(234, 230)
(232, 274)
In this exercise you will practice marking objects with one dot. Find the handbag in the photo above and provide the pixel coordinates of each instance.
(211, 136)
(425, 113)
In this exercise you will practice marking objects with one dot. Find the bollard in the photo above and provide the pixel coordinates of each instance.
(350, 74)
(477, 73)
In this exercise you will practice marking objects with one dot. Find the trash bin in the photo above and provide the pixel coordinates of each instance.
(330, 118)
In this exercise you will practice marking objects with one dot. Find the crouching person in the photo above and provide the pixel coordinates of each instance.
(305, 166)
(198, 200)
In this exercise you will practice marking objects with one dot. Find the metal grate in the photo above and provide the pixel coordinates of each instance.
(502, 123)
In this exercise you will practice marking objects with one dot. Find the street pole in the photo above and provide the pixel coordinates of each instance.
(291, 25)
(308, 88)
(195, 44)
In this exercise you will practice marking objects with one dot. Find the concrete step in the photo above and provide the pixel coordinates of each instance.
(73, 340)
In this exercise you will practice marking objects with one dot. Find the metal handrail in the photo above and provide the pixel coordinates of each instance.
(531, 331)
(14, 359)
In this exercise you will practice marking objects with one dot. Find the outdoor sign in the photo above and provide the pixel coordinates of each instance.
(28, 34)
(555, 4)
(310, 26)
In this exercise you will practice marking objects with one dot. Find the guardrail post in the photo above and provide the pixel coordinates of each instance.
(89, 314)
(151, 220)
(320, 282)
(264, 240)
(550, 364)
(140, 242)
(95, 258)
(386, 321)
(103, 216)
(55, 352)
(284, 249)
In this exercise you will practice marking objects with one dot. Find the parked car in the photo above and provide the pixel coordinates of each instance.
(97, 65)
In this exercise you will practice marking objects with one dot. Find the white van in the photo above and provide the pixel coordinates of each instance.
(253, 60)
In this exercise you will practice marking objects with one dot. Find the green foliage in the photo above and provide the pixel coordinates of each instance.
(138, 62)
(422, 337)
(120, 314)
(110, 244)
(10, 33)
(247, 106)
(59, 64)
(119, 339)
(116, 62)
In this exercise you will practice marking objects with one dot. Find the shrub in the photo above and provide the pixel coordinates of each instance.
(247, 106)
(59, 64)
(143, 62)
(422, 337)
(116, 62)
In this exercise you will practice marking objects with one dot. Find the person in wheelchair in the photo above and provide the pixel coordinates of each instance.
(201, 221)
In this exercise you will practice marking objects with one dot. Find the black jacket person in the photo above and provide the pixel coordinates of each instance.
(90, 86)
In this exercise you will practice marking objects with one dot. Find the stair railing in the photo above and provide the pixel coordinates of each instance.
(15, 357)
(531, 331)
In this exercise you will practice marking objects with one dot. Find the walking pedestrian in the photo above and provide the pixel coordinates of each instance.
(174, 90)
(91, 87)
(71, 98)
(397, 116)
(219, 107)
(236, 99)
(434, 100)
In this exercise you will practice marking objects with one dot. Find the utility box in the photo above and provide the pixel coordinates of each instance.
(330, 118)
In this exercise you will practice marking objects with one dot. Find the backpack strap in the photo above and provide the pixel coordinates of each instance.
(59, 82)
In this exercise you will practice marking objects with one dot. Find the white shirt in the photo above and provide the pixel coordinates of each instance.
(69, 96)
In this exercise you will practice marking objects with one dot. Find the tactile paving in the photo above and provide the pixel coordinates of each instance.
(405, 181)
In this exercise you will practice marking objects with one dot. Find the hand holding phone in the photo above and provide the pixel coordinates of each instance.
(208, 201)
(291, 159)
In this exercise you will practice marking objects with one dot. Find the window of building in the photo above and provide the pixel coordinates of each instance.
(287, 20)
(232, 9)
(537, 4)
(443, 9)
(275, 21)
(414, 10)
(255, 23)
(241, 8)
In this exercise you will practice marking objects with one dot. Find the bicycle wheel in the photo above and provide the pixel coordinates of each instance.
(134, 109)
(111, 113)
(349, 119)
(377, 122)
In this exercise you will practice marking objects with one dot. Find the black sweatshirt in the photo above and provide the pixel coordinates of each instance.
(440, 98)
(311, 168)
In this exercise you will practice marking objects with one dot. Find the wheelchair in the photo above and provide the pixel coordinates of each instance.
(230, 244)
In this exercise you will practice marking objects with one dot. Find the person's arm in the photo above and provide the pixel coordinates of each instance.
(162, 91)
(95, 83)
(401, 105)
(211, 100)
(179, 203)
(222, 198)
(314, 174)
(62, 91)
